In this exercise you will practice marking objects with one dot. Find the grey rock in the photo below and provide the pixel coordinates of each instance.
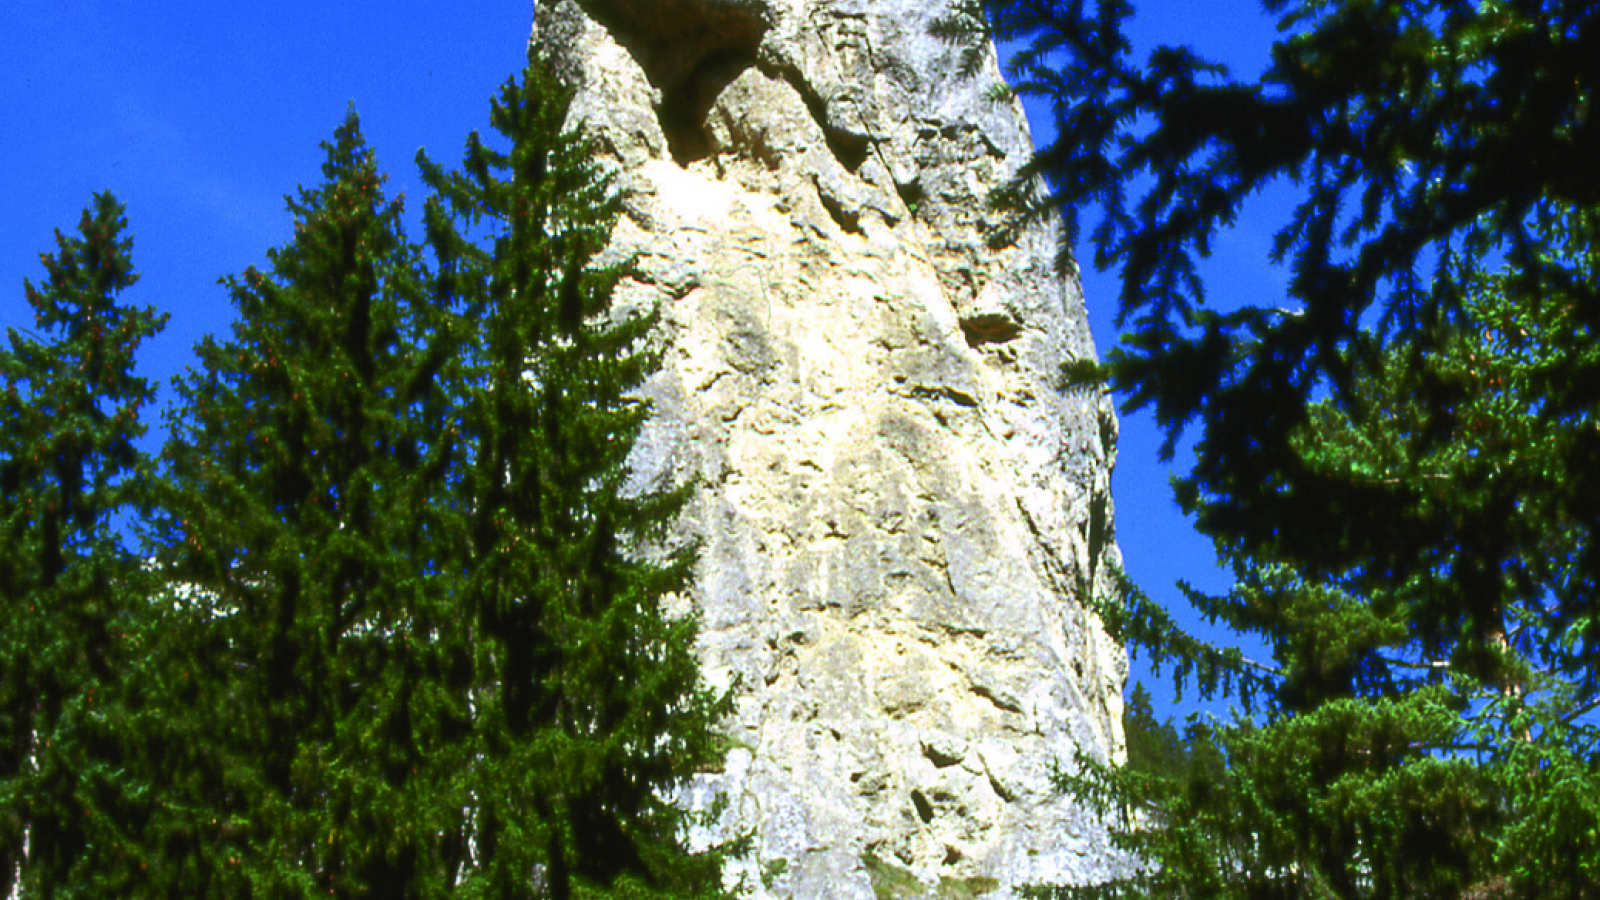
(899, 501)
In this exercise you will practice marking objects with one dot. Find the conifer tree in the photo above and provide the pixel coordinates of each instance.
(587, 700)
(306, 538)
(419, 604)
(1387, 756)
(404, 635)
(72, 598)
(1398, 456)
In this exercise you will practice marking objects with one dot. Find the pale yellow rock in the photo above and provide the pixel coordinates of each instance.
(898, 497)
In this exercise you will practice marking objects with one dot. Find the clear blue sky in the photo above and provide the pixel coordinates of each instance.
(203, 116)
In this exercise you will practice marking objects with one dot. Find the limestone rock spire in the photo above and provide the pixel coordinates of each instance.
(901, 505)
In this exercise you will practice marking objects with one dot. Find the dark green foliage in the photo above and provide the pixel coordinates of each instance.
(404, 634)
(1381, 761)
(1399, 459)
(1155, 746)
(72, 598)
(587, 696)
(425, 625)
(1409, 131)
(307, 542)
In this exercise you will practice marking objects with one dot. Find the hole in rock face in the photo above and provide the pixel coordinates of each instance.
(990, 328)
(912, 194)
(690, 50)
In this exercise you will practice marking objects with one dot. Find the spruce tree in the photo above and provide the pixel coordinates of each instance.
(307, 541)
(404, 635)
(73, 601)
(587, 701)
(1398, 457)
(1408, 137)
(419, 596)
(1386, 755)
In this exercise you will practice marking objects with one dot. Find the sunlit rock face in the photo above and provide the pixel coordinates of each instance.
(901, 505)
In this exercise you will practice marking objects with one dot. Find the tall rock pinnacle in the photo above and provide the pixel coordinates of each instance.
(900, 505)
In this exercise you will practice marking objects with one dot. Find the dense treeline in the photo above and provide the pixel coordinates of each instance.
(382, 620)
(1399, 460)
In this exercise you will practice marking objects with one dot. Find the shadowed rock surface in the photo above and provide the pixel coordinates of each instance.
(900, 504)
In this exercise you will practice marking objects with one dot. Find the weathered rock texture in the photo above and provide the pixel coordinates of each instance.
(900, 503)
